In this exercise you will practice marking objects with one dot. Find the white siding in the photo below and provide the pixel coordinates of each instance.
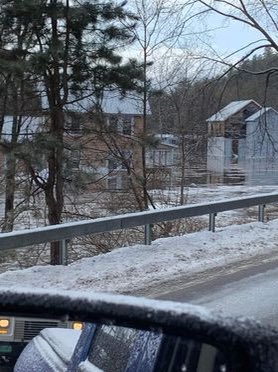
(241, 152)
(162, 157)
(262, 149)
(219, 154)
(262, 138)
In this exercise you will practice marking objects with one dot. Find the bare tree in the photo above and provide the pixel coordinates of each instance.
(181, 110)
(257, 15)
(260, 16)
(160, 26)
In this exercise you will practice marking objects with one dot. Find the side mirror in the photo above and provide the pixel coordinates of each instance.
(116, 348)
(123, 333)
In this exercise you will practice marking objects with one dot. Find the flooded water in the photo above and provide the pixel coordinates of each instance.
(201, 176)
(253, 176)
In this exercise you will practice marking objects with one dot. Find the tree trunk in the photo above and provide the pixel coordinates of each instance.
(10, 169)
(143, 150)
(54, 190)
(54, 195)
(183, 160)
(9, 192)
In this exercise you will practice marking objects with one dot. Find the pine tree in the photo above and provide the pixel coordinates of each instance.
(71, 53)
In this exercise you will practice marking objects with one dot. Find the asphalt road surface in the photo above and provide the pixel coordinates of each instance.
(249, 291)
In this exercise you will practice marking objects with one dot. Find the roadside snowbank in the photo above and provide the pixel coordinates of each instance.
(132, 268)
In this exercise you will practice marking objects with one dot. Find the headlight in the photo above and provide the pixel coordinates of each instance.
(77, 326)
(4, 323)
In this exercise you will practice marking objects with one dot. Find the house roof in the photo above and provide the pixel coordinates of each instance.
(260, 113)
(111, 103)
(114, 103)
(231, 109)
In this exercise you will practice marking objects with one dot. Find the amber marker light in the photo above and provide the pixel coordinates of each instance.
(78, 326)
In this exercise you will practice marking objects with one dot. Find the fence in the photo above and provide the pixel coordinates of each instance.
(24, 238)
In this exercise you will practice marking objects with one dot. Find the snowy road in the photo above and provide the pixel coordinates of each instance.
(255, 296)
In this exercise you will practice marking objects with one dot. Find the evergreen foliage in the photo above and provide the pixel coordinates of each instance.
(61, 51)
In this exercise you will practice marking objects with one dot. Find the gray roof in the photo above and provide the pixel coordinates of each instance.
(260, 113)
(112, 103)
(231, 109)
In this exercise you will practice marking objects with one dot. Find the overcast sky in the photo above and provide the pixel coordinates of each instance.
(224, 38)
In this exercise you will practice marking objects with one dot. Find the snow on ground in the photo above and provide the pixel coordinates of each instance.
(132, 268)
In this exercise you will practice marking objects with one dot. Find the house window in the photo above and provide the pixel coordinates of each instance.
(119, 182)
(125, 182)
(217, 129)
(113, 124)
(230, 130)
(162, 157)
(75, 158)
(112, 183)
(74, 122)
(119, 161)
(127, 155)
(127, 126)
(112, 164)
(120, 124)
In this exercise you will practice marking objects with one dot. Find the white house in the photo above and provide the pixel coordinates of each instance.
(243, 136)
(165, 154)
(226, 134)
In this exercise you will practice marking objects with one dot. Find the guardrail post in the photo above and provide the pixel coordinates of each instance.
(212, 221)
(148, 235)
(63, 254)
(261, 212)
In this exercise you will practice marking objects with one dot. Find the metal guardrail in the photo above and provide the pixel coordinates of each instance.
(62, 232)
